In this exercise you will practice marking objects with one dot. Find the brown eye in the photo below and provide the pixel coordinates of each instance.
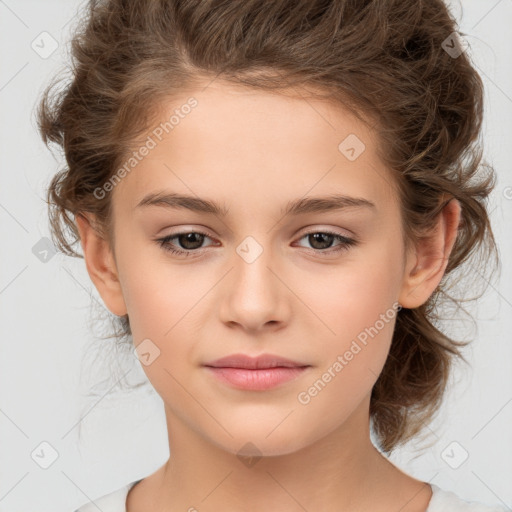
(186, 242)
(322, 242)
(190, 241)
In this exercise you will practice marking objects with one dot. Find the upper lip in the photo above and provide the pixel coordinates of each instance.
(254, 363)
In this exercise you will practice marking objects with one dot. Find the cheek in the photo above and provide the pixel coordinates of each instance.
(165, 303)
(356, 303)
(160, 302)
(351, 297)
(158, 294)
(351, 359)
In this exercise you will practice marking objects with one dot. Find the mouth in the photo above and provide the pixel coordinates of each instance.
(263, 361)
(255, 373)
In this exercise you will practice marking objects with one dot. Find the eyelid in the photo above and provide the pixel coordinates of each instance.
(315, 228)
(180, 230)
(326, 230)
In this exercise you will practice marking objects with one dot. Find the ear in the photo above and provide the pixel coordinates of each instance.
(427, 261)
(101, 265)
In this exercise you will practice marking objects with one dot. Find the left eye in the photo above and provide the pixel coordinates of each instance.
(321, 240)
(191, 241)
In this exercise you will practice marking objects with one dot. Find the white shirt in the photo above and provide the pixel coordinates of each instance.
(441, 501)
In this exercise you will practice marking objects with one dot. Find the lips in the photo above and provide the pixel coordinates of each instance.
(254, 363)
(255, 373)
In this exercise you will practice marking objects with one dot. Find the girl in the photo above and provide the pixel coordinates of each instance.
(273, 198)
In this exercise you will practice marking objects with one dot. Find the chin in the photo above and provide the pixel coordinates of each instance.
(256, 442)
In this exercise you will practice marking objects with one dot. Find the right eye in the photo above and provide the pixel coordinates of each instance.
(190, 241)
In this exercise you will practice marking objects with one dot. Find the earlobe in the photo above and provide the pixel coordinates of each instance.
(101, 265)
(426, 263)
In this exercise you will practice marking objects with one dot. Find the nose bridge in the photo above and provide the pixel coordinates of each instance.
(255, 296)
(253, 276)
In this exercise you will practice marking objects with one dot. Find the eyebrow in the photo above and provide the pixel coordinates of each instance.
(304, 205)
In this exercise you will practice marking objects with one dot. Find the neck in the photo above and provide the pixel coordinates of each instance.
(341, 471)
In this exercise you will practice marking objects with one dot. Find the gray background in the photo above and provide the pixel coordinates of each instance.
(47, 363)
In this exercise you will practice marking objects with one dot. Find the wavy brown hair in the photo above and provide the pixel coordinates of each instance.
(387, 61)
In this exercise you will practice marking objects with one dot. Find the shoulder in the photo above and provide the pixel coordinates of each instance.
(112, 502)
(446, 501)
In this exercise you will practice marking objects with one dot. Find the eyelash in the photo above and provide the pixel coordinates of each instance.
(345, 242)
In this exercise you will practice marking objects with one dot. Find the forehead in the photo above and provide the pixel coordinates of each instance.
(242, 141)
(254, 116)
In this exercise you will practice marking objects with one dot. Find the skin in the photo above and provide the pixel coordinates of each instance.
(252, 152)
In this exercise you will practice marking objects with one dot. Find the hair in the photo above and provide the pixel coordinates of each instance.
(384, 60)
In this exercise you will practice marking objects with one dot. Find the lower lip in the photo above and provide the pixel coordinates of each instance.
(259, 380)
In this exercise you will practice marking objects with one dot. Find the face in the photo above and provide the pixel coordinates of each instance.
(317, 285)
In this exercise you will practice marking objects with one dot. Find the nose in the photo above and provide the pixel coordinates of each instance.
(254, 296)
